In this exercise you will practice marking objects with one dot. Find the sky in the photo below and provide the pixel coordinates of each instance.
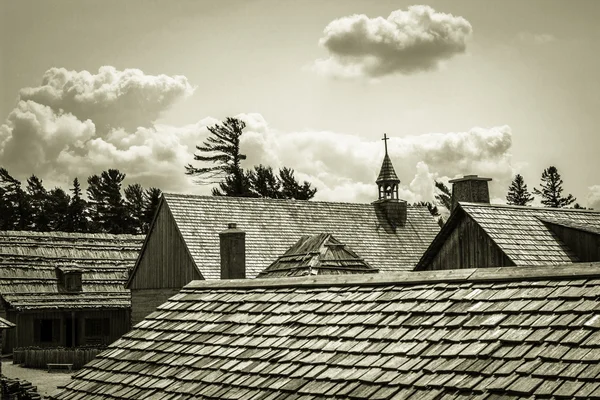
(460, 87)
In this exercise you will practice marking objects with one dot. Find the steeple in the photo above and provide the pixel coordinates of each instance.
(387, 181)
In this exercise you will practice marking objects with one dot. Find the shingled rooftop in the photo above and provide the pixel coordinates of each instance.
(320, 254)
(482, 333)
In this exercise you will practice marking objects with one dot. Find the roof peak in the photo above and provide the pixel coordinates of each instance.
(550, 209)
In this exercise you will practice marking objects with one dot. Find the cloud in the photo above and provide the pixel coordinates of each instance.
(51, 139)
(344, 167)
(536, 38)
(111, 98)
(405, 42)
(593, 197)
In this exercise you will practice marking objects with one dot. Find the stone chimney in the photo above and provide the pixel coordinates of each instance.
(470, 188)
(233, 253)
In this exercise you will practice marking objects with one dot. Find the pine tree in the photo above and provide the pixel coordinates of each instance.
(223, 149)
(57, 210)
(264, 183)
(134, 197)
(108, 210)
(38, 198)
(151, 201)
(292, 189)
(15, 209)
(444, 196)
(551, 189)
(77, 212)
(517, 192)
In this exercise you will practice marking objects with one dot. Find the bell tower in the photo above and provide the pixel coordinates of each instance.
(387, 181)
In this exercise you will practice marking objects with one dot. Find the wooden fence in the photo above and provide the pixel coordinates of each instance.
(35, 357)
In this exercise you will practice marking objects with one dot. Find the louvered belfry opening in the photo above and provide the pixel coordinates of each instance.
(471, 189)
(233, 252)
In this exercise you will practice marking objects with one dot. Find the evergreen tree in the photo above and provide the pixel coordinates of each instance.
(551, 189)
(151, 201)
(264, 183)
(134, 197)
(223, 149)
(292, 189)
(444, 196)
(57, 210)
(15, 210)
(77, 211)
(108, 210)
(517, 192)
(38, 198)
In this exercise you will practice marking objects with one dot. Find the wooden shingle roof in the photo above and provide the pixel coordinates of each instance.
(520, 232)
(4, 324)
(387, 172)
(272, 226)
(484, 333)
(29, 263)
(320, 254)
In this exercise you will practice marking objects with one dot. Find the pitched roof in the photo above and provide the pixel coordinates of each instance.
(272, 226)
(28, 263)
(512, 332)
(4, 324)
(387, 173)
(519, 231)
(320, 254)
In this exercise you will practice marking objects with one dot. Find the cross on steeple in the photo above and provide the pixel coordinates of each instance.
(385, 139)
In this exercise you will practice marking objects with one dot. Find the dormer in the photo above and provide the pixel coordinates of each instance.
(69, 278)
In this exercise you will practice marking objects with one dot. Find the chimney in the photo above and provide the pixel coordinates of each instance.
(470, 188)
(233, 253)
(393, 212)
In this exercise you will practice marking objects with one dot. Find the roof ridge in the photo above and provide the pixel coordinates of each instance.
(551, 209)
(499, 274)
(265, 199)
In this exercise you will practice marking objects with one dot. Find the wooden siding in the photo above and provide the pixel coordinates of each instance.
(25, 335)
(585, 245)
(468, 246)
(145, 301)
(165, 261)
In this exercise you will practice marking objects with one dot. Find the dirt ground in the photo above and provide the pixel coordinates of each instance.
(46, 382)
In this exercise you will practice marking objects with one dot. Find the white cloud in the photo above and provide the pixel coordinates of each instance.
(405, 42)
(593, 197)
(52, 142)
(111, 98)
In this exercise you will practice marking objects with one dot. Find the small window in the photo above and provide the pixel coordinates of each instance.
(97, 327)
(73, 281)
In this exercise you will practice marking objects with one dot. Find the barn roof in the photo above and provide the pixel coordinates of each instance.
(320, 254)
(481, 333)
(273, 225)
(29, 263)
(520, 232)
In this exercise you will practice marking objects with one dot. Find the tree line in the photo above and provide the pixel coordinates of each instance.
(550, 191)
(107, 208)
(221, 150)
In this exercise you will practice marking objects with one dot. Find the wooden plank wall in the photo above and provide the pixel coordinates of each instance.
(469, 247)
(165, 261)
(145, 301)
(584, 244)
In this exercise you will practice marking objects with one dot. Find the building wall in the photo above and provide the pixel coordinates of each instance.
(468, 246)
(145, 301)
(165, 261)
(584, 244)
(29, 326)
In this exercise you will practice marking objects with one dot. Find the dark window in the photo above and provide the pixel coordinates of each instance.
(73, 281)
(95, 327)
(47, 330)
